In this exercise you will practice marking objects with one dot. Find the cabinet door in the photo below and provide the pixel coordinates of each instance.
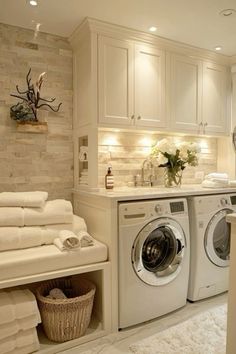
(215, 118)
(185, 93)
(115, 81)
(149, 87)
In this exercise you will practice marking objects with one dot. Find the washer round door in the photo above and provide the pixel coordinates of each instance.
(158, 251)
(217, 239)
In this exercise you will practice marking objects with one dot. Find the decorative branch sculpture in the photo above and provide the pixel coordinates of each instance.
(26, 110)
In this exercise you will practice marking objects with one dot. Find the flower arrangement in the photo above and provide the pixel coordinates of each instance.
(174, 157)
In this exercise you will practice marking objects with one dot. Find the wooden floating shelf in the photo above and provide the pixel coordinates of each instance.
(32, 127)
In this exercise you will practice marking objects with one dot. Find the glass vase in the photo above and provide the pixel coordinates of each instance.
(172, 177)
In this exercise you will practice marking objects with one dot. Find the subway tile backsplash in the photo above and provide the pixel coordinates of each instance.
(126, 151)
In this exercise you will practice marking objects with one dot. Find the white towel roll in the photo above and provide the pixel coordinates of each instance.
(85, 239)
(67, 240)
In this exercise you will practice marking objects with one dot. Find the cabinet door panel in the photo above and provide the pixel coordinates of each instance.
(215, 98)
(149, 86)
(115, 81)
(185, 93)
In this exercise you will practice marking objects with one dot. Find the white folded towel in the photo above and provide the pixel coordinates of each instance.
(23, 199)
(85, 239)
(232, 183)
(11, 328)
(217, 175)
(19, 341)
(67, 240)
(58, 211)
(211, 184)
(33, 236)
(17, 304)
(11, 216)
(27, 349)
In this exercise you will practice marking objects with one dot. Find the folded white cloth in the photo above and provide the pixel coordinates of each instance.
(32, 236)
(17, 304)
(11, 328)
(58, 211)
(217, 175)
(20, 341)
(85, 239)
(23, 199)
(67, 240)
(232, 183)
(11, 216)
(211, 184)
(219, 180)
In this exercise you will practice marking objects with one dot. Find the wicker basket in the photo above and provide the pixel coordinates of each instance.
(66, 319)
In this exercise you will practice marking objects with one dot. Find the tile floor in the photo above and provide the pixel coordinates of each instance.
(118, 343)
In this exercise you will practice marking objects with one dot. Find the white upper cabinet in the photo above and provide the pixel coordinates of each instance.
(198, 96)
(115, 81)
(131, 84)
(149, 99)
(185, 93)
(214, 113)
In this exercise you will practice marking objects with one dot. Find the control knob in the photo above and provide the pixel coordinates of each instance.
(158, 208)
(223, 201)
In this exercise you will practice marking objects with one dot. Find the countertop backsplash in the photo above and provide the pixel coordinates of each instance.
(126, 151)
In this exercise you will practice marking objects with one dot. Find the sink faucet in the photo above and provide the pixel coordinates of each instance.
(147, 166)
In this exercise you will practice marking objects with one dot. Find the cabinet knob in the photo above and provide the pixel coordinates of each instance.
(205, 124)
(139, 117)
(201, 124)
(132, 117)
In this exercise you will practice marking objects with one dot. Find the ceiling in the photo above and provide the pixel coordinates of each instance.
(195, 22)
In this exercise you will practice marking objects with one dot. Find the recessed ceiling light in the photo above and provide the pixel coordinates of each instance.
(227, 12)
(152, 29)
(218, 48)
(33, 2)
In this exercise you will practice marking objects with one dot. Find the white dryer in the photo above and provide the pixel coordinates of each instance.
(153, 259)
(210, 244)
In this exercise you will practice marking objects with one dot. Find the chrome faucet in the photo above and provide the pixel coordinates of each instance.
(147, 166)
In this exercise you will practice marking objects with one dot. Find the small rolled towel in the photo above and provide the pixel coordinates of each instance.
(85, 239)
(23, 199)
(232, 183)
(56, 294)
(67, 240)
(58, 211)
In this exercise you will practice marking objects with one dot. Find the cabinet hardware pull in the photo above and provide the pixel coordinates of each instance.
(205, 124)
(139, 117)
(132, 117)
(201, 124)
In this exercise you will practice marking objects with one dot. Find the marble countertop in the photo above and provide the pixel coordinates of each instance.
(135, 193)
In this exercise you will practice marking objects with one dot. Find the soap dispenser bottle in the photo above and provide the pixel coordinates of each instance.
(109, 179)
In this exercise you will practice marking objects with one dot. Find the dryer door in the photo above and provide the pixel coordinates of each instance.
(158, 251)
(217, 239)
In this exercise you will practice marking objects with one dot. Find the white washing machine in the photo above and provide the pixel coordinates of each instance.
(210, 244)
(153, 259)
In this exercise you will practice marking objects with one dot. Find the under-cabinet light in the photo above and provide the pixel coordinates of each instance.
(33, 2)
(152, 29)
(218, 48)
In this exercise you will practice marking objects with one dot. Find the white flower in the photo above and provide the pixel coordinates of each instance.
(165, 145)
(161, 159)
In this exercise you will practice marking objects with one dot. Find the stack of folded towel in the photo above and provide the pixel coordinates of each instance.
(27, 219)
(19, 317)
(216, 180)
(84, 177)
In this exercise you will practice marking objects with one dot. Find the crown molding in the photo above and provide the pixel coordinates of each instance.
(116, 31)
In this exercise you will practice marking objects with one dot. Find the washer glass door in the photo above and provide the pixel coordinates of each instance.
(158, 251)
(217, 239)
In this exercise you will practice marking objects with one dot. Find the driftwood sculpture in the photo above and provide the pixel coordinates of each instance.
(26, 110)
